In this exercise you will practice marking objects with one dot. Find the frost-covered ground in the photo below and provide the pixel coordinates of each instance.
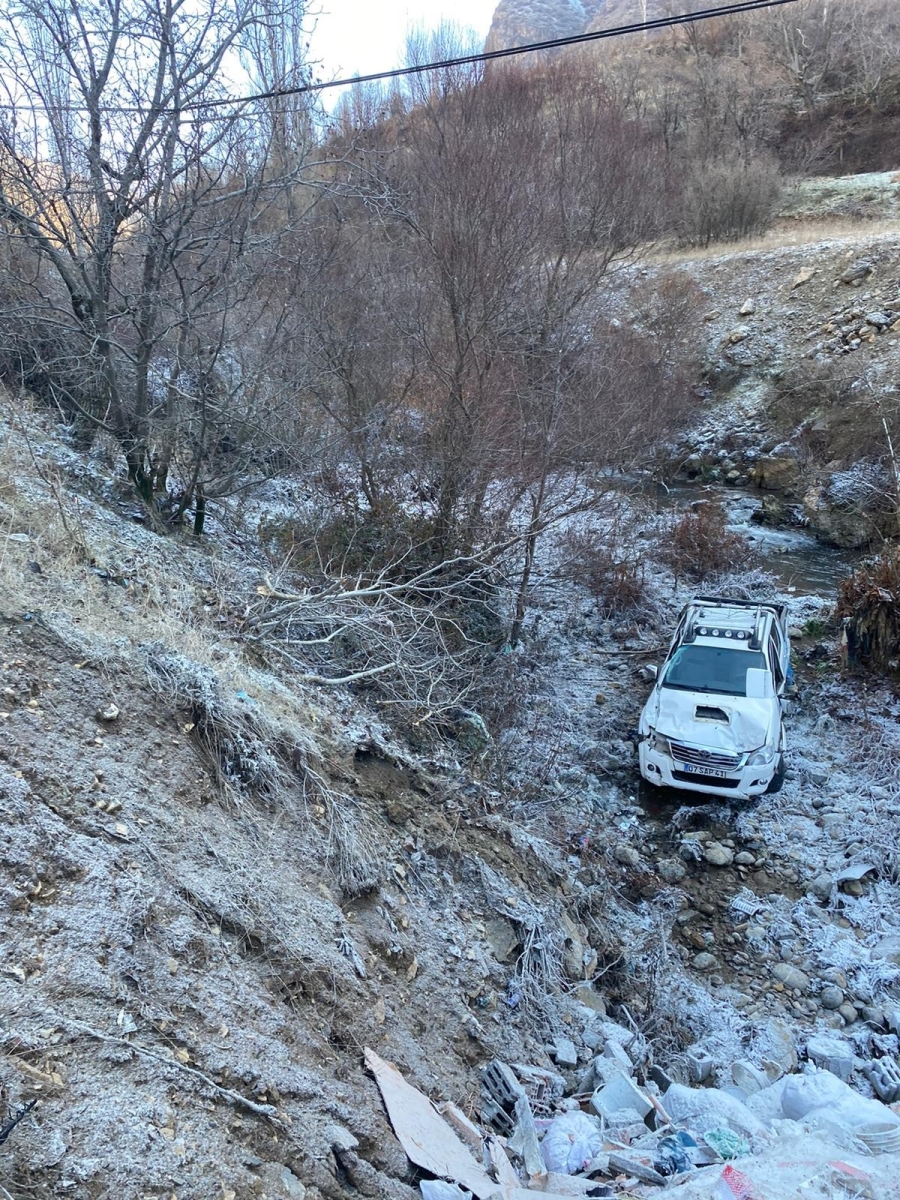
(812, 881)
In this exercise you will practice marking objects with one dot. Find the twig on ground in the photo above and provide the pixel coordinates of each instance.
(10, 1125)
(261, 1110)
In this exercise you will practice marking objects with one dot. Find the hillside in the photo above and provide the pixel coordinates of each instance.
(354, 475)
(221, 882)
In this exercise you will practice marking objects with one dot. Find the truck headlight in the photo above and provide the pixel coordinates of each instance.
(763, 757)
(659, 743)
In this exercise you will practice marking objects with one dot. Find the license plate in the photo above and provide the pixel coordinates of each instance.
(703, 772)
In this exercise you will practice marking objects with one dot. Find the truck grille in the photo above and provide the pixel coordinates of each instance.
(704, 758)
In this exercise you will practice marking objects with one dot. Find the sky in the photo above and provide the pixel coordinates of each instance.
(355, 37)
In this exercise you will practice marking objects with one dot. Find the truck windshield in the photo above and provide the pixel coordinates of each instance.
(711, 669)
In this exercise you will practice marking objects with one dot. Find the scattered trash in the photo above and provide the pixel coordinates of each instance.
(788, 1139)
(621, 1164)
(882, 1137)
(734, 1185)
(726, 1143)
(620, 1093)
(425, 1136)
(571, 1142)
(436, 1189)
(672, 1154)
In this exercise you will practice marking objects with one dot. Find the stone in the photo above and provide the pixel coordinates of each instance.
(627, 855)
(280, 1182)
(501, 937)
(745, 858)
(471, 732)
(737, 336)
(579, 958)
(718, 855)
(564, 1052)
(772, 511)
(857, 272)
(107, 714)
(802, 277)
(672, 870)
(748, 1078)
(704, 961)
(849, 1013)
(616, 1053)
(873, 1016)
(821, 887)
(831, 997)
(586, 995)
(778, 471)
(747, 309)
(792, 977)
(817, 773)
(888, 948)
(879, 319)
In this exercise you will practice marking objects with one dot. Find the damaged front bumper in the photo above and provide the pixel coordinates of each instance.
(739, 783)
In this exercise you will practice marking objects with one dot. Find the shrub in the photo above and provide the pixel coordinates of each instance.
(697, 543)
(869, 603)
(728, 199)
(609, 561)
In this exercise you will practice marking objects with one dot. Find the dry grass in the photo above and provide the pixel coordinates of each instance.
(869, 601)
(783, 233)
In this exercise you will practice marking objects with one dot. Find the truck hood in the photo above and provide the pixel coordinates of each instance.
(742, 725)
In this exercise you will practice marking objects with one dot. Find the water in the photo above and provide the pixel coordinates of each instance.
(800, 563)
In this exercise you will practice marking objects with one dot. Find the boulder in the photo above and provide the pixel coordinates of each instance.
(772, 511)
(856, 272)
(842, 524)
(778, 471)
(792, 977)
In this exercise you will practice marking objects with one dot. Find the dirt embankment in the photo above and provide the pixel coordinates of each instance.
(218, 883)
(799, 337)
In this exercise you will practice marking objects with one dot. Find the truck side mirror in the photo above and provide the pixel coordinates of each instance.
(760, 685)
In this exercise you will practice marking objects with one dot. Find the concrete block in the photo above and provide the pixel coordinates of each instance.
(616, 1052)
(620, 1092)
(884, 1075)
(833, 1054)
(564, 1052)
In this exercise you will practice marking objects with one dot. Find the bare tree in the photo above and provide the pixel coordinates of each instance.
(145, 208)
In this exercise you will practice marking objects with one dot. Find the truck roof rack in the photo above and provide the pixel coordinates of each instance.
(750, 628)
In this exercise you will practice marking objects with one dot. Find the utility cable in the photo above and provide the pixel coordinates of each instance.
(706, 14)
(579, 39)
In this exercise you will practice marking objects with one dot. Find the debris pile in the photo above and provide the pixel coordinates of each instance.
(614, 1124)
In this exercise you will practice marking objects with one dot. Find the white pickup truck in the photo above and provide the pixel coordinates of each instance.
(713, 722)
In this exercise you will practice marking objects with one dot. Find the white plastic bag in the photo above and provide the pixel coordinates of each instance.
(436, 1189)
(702, 1109)
(572, 1140)
(816, 1091)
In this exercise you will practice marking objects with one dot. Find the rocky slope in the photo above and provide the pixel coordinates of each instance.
(800, 341)
(219, 882)
(517, 22)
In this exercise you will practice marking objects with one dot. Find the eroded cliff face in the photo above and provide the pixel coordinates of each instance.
(517, 22)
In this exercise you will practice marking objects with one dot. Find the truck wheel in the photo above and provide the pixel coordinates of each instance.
(777, 781)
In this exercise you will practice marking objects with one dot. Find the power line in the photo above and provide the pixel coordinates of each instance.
(706, 14)
(507, 52)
